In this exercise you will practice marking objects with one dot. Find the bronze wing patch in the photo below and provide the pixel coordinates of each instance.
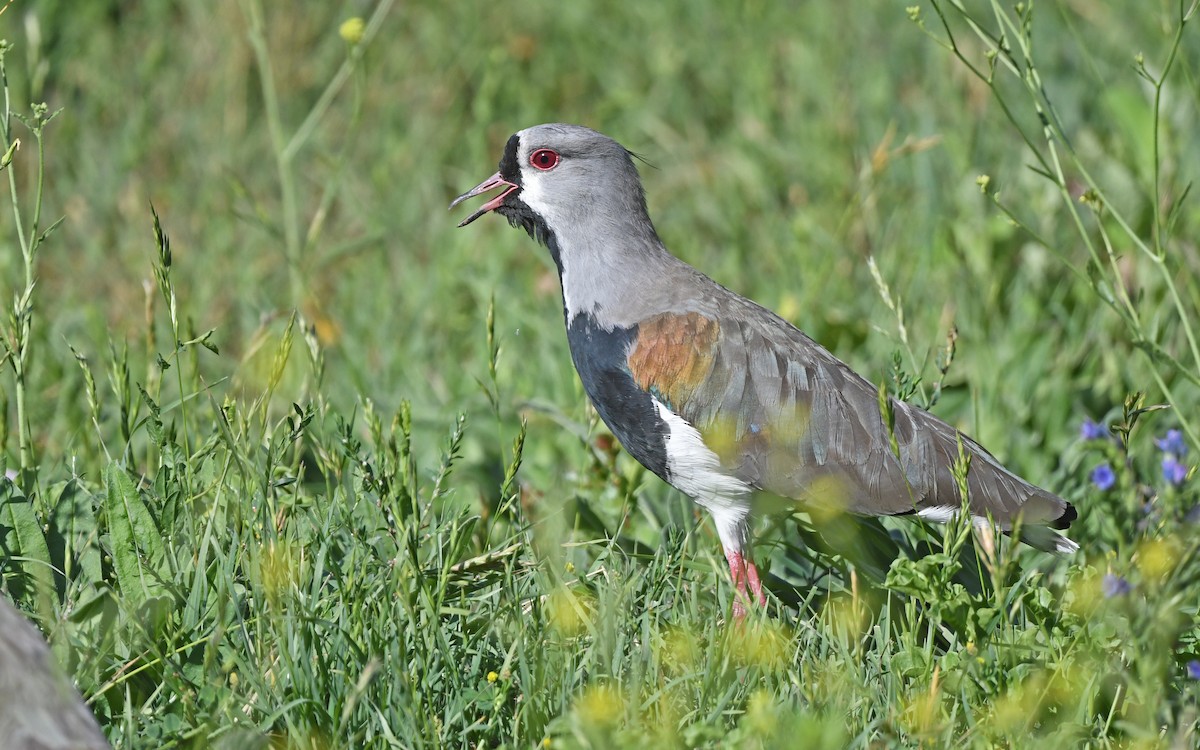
(674, 355)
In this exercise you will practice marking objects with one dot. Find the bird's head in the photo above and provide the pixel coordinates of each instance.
(555, 178)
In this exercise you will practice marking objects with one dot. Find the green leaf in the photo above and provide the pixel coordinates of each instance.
(1163, 357)
(153, 420)
(22, 540)
(73, 534)
(138, 552)
(911, 663)
(203, 341)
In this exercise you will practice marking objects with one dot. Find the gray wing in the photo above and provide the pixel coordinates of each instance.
(789, 418)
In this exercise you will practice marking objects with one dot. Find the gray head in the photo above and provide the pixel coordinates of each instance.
(562, 178)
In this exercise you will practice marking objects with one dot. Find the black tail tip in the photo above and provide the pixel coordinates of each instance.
(1068, 516)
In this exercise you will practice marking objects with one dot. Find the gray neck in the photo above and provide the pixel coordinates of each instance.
(618, 275)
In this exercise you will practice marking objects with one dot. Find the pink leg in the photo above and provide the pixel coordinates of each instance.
(744, 572)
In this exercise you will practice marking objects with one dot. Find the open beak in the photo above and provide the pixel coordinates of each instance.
(486, 186)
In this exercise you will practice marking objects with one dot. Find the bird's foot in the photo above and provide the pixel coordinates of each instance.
(746, 582)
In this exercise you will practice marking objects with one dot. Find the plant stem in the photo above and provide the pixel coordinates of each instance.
(283, 157)
(23, 312)
(1011, 47)
(285, 149)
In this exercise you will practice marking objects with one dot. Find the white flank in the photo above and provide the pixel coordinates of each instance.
(1066, 546)
(1038, 536)
(696, 471)
(938, 514)
(1044, 538)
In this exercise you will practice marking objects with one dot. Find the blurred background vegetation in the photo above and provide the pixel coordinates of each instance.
(789, 146)
(302, 164)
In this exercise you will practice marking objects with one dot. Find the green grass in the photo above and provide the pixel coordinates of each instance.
(372, 507)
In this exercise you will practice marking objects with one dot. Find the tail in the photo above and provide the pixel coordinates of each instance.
(994, 491)
(1045, 538)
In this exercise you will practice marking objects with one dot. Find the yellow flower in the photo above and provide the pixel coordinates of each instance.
(352, 30)
(1157, 557)
(492, 676)
(765, 644)
(762, 713)
(569, 614)
(600, 706)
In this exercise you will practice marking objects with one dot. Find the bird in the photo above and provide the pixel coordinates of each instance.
(719, 396)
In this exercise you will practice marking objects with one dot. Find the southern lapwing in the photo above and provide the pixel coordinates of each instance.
(718, 396)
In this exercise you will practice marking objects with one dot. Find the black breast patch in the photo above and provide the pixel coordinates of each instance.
(600, 357)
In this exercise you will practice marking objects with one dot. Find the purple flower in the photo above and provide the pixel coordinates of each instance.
(1193, 669)
(1103, 477)
(1114, 585)
(1173, 471)
(1090, 430)
(1172, 443)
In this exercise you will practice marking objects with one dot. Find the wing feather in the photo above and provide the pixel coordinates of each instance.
(787, 417)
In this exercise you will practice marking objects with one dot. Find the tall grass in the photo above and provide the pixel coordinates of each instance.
(298, 465)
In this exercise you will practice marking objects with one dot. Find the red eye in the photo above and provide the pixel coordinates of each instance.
(544, 159)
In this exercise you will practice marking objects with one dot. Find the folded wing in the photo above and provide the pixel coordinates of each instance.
(787, 417)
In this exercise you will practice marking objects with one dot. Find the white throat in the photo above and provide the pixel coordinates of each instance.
(583, 268)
